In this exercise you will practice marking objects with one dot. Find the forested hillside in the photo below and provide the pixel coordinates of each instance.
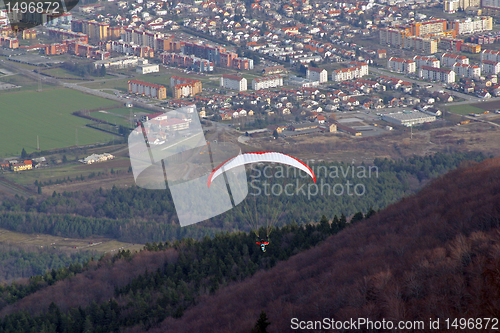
(431, 255)
(434, 255)
(162, 281)
(137, 215)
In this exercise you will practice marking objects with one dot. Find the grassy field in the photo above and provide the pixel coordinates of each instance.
(110, 118)
(465, 109)
(99, 244)
(25, 83)
(48, 115)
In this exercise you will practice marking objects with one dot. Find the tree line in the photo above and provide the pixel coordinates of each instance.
(201, 268)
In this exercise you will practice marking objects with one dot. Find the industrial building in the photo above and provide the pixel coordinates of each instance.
(408, 118)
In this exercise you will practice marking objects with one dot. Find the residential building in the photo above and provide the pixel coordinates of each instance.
(25, 165)
(437, 74)
(448, 59)
(421, 44)
(451, 6)
(233, 82)
(363, 67)
(147, 89)
(427, 28)
(490, 67)
(426, 61)
(470, 48)
(345, 74)
(490, 55)
(401, 65)
(472, 25)
(184, 87)
(468, 71)
(316, 74)
(267, 82)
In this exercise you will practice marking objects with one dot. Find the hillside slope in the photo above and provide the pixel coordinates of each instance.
(433, 255)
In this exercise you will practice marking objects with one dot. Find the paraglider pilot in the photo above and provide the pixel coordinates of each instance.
(262, 245)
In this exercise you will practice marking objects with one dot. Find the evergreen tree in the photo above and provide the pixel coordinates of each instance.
(24, 154)
(324, 225)
(370, 213)
(357, 217)
(262, 324)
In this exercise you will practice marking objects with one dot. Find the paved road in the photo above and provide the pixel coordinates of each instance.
(12, 66)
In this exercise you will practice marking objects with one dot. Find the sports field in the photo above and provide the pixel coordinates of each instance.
(48, 115)
(465, 109)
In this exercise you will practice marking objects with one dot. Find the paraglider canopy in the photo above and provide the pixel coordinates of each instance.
(259, 157)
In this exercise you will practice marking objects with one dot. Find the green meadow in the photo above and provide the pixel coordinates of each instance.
(47, 114)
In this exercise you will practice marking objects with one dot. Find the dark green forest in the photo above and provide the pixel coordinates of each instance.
(138, 215)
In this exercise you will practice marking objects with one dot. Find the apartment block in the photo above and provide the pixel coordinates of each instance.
(147, 89)
(317, 74)
(472, 25)
(490, 67)
(267, 82)
(363, 67)
(448, 59)
(401, 65)
(233, 82)
(468, 71)
(437, 74)
(345, 74)
(426, 61)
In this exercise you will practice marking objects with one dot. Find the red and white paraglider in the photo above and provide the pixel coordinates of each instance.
(260, 157)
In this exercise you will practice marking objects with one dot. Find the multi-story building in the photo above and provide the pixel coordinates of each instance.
(345, 74)
(437, 74)
(196, 64)
(233, 82)
(401, 65)
(448, 59)
(451, 6)
(490, 67)
(184, 87)
(468, 71)
(267, 82)
(428, 28)
(363, 67)
(490, 55)
(392, 36)
(426, 61)
(421, 44)
(470, 48)
(147, 89)
(472, 25)
(450, 44)
(316, 74)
